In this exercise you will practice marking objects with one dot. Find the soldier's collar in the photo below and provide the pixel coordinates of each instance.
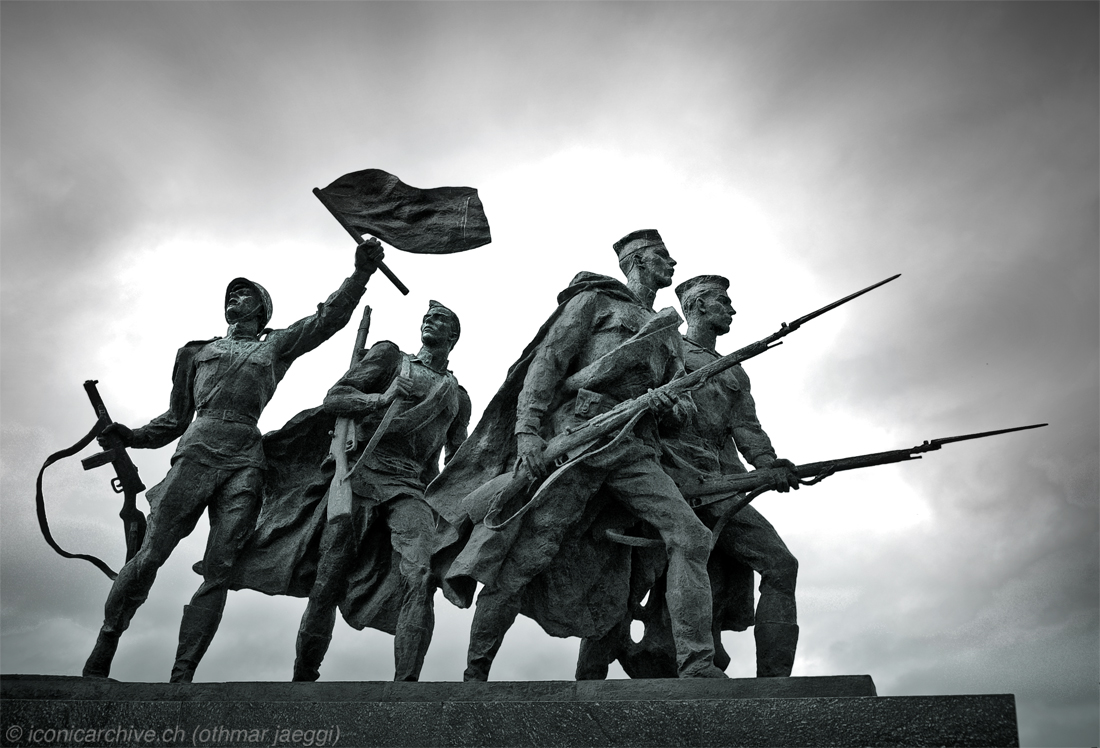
(700, 346)
(232, 334)
(425, 357)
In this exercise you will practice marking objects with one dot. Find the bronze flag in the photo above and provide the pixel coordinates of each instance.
(440, 220)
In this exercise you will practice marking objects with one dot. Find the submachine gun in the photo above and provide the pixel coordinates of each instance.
(126, 482)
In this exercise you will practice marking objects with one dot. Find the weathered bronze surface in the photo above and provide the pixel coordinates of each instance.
(220, 386)
(533, 550)
(369, 556)
(724, 424)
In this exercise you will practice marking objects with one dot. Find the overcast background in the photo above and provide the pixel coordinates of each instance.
(153, 151)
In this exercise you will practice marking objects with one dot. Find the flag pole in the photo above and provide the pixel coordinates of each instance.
(358, 238)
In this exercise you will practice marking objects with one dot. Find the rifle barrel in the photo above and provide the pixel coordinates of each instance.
(361, 335)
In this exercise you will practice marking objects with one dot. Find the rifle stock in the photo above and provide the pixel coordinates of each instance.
(340, 498)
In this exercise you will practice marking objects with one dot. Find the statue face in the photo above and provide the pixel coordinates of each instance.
(437, 328)
(243, 303)
(659, 265)
(716, 311)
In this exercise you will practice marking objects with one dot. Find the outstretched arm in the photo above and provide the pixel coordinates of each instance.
(335, 312)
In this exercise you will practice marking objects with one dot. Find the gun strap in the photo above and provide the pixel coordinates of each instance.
(541, 493)
(41, 504)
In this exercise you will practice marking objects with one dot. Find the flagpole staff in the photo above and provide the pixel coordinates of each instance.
(359, 238)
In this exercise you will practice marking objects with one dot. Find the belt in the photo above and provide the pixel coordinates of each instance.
(227, 415)
(589, 404)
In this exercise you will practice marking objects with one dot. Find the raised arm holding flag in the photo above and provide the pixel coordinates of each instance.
(437, 221)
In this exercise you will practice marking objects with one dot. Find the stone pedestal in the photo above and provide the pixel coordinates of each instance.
(837, 711)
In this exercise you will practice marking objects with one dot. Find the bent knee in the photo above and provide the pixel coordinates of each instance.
(693, 540)
(782, 571)
(416, 576)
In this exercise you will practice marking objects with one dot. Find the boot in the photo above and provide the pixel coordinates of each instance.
(707, 670)
(309, 652)
(99, 662)
(775, 646)
(197, 629)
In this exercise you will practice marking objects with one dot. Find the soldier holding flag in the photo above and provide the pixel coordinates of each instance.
(222, 384)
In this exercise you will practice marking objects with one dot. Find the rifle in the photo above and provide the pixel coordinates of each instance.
(126, 482)
(343, 435)
(710, 490)
(576, 441)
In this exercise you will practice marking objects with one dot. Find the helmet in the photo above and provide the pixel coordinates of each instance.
(265, 297)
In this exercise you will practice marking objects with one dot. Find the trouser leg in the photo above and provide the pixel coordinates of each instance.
(537, 542)
(598, 652)
(178, 503)
(233, 513)
(415, 624)
(197, 628)
(652, 496)
(494, 614)
(411, 523)
(751, 538)
(315, 629)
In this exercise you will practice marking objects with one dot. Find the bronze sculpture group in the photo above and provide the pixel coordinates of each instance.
(603, 484)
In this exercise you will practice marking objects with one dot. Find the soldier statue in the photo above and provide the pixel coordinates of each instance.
(219, 389)
(546, 393)
(724, 424)
(432, 414)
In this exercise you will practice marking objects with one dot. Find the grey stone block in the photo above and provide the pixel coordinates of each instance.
(837, 711)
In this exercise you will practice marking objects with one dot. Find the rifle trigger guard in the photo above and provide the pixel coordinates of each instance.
(818, 479)
(116, 485)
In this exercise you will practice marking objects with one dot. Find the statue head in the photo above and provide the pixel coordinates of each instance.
(245, 299)
(644, 257)
(440, 326)
(706, 303)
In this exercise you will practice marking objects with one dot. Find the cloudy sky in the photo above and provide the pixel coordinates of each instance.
(153, 151)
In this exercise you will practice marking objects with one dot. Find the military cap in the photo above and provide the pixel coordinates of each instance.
(690, 289)
(636, 241)
(260, 291)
